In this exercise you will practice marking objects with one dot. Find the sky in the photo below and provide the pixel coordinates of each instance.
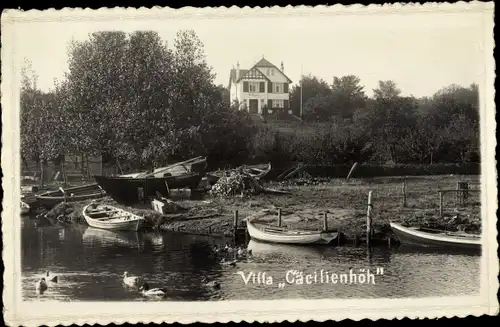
(421, 52)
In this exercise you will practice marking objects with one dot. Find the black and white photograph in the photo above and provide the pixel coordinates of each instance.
(165, 157)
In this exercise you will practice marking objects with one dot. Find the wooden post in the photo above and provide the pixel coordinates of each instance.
(465, 193)
(462, 193)
(63, 171)
(42, 177)
(403, 190)
(279, 217)
(88, 167)
(440, 204)
(350, 171)
(235, 222)
(119, 166)
(369, 220)
(325, 222)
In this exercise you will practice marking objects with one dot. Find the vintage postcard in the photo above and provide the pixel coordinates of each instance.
(266, 164)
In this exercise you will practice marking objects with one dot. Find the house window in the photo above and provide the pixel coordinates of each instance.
(278, 103)
(253, 87)
(278, 87)
(268, 71)
(272, 72)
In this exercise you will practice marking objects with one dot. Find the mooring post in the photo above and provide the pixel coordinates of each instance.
(369, 220)
(462, 193)
(279, 217)
(325, 221)
(235, 221)
(403, 190)
(440, 204)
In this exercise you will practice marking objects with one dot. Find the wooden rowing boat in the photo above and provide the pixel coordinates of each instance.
(276, 234)
(133, 190)
(72, 194)
(194, 165)
(255, 171)
(111, 218)
(427, 237)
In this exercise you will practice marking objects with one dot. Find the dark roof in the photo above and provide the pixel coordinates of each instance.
(261, 63)
(264, 63)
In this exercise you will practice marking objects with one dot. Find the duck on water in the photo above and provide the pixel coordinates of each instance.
(41, 286)
(53, 279)
(153, 292)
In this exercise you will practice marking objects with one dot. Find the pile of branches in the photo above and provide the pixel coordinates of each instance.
(238, 183)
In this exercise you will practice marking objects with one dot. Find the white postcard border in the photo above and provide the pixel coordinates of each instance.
(53, 313)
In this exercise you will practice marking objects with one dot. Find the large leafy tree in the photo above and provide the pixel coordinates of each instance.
(312, 87)
(387, 119)
(347, 95)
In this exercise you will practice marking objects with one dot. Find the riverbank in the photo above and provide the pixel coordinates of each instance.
(345, 204)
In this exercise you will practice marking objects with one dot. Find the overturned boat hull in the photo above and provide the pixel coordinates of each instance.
(133, 190)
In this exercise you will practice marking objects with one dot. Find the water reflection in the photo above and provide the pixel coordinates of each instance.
(90, 263)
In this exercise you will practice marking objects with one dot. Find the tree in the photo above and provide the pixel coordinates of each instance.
(387, 90)
(312, 87)
(388, 118)
(347, 95)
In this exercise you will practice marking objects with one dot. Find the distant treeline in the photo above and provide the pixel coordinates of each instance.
(139, 102)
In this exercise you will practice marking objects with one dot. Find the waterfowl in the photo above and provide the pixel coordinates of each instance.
(53, 279)
(146, 291)
(41, 286)
(130, 280)
(212, 284)
(228, 263)
(228, 248)
(241, 252)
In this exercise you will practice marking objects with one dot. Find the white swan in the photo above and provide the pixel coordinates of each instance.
(130, 280)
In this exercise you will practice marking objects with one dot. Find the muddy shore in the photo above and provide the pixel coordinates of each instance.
(345, 204)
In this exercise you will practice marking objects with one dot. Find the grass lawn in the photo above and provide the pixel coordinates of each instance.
(345, 204)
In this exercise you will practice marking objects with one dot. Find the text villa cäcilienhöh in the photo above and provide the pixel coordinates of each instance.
(317, 277)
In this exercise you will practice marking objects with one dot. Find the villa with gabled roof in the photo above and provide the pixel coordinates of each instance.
(262, 89)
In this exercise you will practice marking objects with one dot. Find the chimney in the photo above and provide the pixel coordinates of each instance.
(282, 67)
(237, 70)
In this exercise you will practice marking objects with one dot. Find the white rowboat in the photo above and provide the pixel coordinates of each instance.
(111, 218)
(427, 237)
(282, 235)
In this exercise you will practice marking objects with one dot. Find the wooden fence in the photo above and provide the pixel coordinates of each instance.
(72, 168)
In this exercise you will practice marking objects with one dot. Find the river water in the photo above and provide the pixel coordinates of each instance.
(90, 263)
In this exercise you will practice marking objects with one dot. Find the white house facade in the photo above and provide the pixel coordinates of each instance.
(261, 89)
